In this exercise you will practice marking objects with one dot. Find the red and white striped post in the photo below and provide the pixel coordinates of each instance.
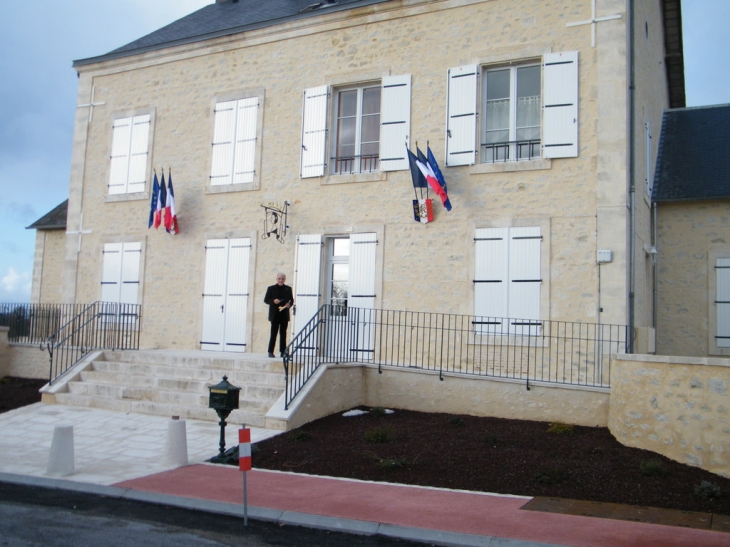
(244, 464)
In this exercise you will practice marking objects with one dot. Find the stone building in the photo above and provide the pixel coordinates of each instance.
(692, 197)
(540, 114)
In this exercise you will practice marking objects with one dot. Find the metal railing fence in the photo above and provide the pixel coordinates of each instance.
(558, 352)
(34, 323)
(101, 325)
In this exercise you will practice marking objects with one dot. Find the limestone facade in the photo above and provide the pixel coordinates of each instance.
(580, 203)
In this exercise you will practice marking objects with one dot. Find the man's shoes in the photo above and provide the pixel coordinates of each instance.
(272, 356)
(283, 354)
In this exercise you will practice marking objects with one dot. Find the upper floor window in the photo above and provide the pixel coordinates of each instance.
(235, 143)
(130, 142)
(512, 114)
(357, 130)
(528, 111)
(369, 127)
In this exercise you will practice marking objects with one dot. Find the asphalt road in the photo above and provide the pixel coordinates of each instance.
(32, 516)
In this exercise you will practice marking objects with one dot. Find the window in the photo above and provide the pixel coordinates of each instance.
(128, 170)
(369, 126)
(120, 274)
(339, 274)
(529, 111)
(507, 280)
(235, 142)
(357, 130)
(512, 114)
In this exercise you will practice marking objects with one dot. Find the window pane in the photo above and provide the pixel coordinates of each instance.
(528, 81)
(347, 103)
(370, 128)
(346, 137)
(498, 84)
(340, 272)
(371, 100)
(341, 247)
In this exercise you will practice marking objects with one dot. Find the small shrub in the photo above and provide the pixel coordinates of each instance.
(298, 435)
(378, 411)
(379, 435)
(653, 468)
(561, 428)
(708, 490)
(550, 476)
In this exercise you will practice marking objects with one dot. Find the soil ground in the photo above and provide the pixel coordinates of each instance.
(493, 455)
(473, 453)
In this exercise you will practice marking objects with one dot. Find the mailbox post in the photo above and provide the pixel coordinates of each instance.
(223, 399)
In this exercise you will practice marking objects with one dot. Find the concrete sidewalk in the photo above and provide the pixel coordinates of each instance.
(122, 455)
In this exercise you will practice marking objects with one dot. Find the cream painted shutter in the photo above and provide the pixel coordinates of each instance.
(722, 302)
(306, 291)
(128, 168)
(361, 298)
(236, 295)
(245, 141)
(234, 142)
(395, 122)
(314, 132)
(223, 137)
(214, 289)
(138, 154)
(490, 279)
(524, 279)
(560, 113)
(111, 275)
(461, 116)
(119, 168)
(131, 253)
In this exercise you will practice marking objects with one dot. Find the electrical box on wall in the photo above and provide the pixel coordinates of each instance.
(604, 256)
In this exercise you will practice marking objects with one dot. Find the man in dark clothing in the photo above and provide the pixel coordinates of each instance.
(280, 298)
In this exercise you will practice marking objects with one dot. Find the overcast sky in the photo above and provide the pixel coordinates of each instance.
(40, 38)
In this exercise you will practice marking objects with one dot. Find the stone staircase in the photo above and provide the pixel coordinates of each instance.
(175, 383)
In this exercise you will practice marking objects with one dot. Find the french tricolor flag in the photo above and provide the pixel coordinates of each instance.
(170, 212)
(433, 181)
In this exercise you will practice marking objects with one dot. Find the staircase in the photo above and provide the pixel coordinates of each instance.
(175, 383)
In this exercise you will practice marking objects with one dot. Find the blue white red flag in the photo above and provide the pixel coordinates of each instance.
(419, 181)
(170, 212)
(439, 176)
(430, 176)
(161, 199)
(153, 201)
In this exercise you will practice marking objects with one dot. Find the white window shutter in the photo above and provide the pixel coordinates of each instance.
(395, 122)
(361, 295)
(111, 275)
(314, 132)
(216, 257)
(138, 150)
(722, 301)
(131, 253)
(649, 183)
(461, 116)
(306, 295)
(525, 278)
(490, 279)
(245, 141)
(560, 114)
(119, 166)
(236, 295)
(221, 171)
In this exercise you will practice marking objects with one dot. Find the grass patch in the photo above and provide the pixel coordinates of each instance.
(380, 435)
(561, 428)
(378, 411)
(653, 468)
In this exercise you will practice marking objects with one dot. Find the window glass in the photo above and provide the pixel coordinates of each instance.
(357, 130)
(341, 247)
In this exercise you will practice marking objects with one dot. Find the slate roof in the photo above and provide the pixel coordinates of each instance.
(228, 17)
(693, 161)
(53, 220)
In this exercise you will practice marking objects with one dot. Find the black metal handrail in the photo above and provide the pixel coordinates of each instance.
(557, 352)
(101, 325)
(34, 323)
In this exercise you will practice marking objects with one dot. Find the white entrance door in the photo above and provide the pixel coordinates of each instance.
(225, 295)
(362, 294)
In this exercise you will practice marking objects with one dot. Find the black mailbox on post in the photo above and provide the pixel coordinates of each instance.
(224, 396)
(223, 399)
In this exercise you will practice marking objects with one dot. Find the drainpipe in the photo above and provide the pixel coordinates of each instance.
(654, 272)
(632, 182)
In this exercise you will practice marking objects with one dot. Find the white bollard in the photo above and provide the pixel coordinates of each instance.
(61, 458)
(176, 447)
